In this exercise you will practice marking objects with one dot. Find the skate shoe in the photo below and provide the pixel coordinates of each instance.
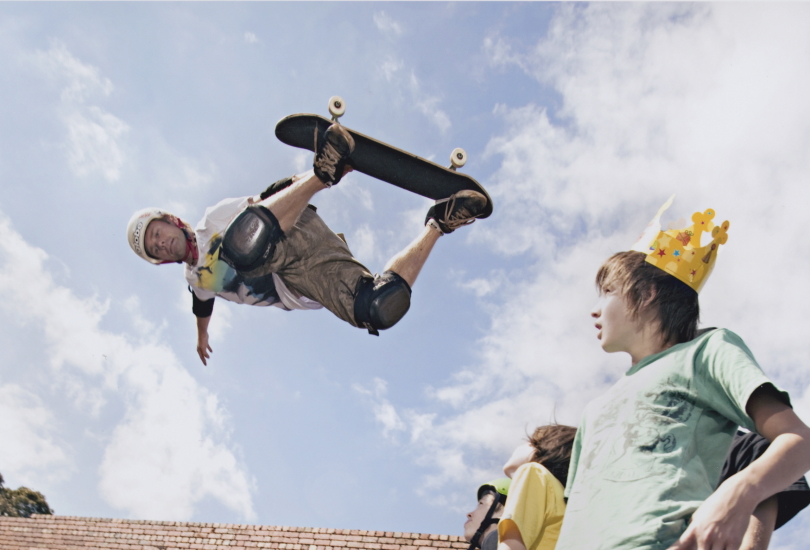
(459, 209)
(333, 150)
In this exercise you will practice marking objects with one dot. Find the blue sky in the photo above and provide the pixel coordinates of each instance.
(579, 119)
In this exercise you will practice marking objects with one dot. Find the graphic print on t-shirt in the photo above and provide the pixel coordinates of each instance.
(215, 275)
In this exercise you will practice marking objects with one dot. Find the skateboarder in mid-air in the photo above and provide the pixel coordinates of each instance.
(273, 249)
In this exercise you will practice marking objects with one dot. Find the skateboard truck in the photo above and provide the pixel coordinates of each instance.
(458, 158)
(336, 107)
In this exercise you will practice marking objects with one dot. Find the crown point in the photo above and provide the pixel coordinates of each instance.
(695, 268)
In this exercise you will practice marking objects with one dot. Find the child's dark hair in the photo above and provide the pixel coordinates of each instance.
(552, 448)
(644, 286)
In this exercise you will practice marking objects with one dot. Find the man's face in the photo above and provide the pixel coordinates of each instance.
(475, 517)
(618, 331)
(165, 241)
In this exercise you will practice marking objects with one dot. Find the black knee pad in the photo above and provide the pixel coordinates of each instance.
(381, 302)
(250, 239)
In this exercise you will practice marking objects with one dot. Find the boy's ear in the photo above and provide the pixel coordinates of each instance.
(648, 300)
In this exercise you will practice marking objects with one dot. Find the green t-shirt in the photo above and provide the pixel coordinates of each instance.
(650, 450)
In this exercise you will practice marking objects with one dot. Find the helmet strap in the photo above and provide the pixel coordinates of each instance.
(488, 520)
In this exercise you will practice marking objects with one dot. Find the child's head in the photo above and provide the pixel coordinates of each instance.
(552, 445)
(549, 445)
(484, 518)
(646, 289)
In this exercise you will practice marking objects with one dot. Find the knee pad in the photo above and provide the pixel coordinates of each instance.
(250, 239)
(381, 302)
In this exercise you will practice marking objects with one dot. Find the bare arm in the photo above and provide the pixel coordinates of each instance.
(510, 538)
(202, 339)
(761, 525)
(722, 520)
(523, 454)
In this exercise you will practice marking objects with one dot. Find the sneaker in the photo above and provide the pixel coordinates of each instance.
(459, 209)
(333, 150)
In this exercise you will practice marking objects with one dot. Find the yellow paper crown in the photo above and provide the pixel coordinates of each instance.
(678, 251)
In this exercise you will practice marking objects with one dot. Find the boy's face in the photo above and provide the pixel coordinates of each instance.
(618, 331)
(475, 517)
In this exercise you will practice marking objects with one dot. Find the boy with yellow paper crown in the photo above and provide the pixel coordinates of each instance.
(648, 454)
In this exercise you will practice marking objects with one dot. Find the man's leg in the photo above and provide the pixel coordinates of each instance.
(287, 205)
(329, 166)
(381, 302)
(443, 217)
(251, 238)
(409, 262)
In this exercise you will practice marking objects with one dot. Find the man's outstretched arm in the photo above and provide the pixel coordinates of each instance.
(202, 309)
(203, 347)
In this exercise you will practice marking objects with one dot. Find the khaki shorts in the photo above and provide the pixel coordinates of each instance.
(314, 262)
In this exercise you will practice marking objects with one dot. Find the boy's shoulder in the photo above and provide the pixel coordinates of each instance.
(715, 336)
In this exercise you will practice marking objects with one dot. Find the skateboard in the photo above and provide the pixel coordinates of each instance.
(382, 161)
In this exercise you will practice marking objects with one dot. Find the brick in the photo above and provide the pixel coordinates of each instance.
(74, 533)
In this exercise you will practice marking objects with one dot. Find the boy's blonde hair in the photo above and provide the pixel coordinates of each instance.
(648, 288)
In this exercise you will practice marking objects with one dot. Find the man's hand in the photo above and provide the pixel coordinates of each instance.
(202, 338)
(203, 347)
(720, 522)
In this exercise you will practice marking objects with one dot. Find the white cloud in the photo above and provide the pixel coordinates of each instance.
(29, 449)
(251, 38)
(428, 105)
(165, 456)
(384, 411)
(386, 24)
(94, 136)
(92, 143)
(302, 161)
(390, 67)
(483, 286)
(82, 81)
(701, 100)
(171, 449)
(362, 243)
(358, 193)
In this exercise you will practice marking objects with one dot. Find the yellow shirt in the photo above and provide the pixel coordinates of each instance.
(535, 506)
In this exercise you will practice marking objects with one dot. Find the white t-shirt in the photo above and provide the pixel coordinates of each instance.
(212, 277)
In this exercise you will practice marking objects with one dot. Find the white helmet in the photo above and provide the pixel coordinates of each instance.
(136, 231)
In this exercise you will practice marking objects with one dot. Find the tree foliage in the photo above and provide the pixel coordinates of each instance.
(22, 502)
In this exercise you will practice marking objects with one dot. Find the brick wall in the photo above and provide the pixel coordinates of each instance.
(68, 533)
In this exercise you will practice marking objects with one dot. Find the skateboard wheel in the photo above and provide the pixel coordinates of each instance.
(336, 106)
(458, 157)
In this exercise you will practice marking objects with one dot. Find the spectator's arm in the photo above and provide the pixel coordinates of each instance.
(761, 525)
(520, 456)
(510, 538)
(722, 519)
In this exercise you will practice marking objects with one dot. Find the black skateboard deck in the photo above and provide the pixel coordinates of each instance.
(384, 162)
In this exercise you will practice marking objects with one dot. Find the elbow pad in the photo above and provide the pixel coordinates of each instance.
(201, 308)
